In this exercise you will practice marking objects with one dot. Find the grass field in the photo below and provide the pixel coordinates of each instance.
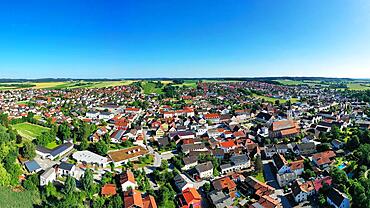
(29, 131)
(51, 145)
(358, 86)
(24, 199)
(271, 99)
(149, 87)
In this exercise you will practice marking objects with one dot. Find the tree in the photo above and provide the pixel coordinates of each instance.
(353, 142)
(164, 165)
(29, 150)
(4, 176)
(70, 185)
(258, 163)
(98, 202)
(116, 202)
(101, 148)
(111, 164)
(207, 187)
(50, 190)
(84, 145)
(87, 182)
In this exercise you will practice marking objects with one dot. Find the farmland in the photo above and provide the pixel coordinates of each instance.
(29, 131)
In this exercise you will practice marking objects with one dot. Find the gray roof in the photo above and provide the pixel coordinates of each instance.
(220, 199)
(47, 173)
(190, 160)
(32, 165)
(204, 167)
(239, 159)
(66, 166)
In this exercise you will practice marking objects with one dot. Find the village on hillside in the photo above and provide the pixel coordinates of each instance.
(213, 144)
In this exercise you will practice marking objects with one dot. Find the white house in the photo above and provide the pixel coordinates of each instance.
(127, 180)
(48, 176)
(91, 158)
(65, 169)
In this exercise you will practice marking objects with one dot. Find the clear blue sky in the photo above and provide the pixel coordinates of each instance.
(184, 38)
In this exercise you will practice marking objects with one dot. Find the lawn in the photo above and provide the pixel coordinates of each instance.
(29, 131)
(260, 177)
(24, 199)
(51, 145)
(149, 88)
(144, 161)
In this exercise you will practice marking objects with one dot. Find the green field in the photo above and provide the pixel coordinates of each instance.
(24, 199)
(29, 131)
(51, 145)
(149, 88)
(271, 99)
(69, 84)
(358, 86)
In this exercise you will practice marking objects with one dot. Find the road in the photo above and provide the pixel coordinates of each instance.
(271, 180)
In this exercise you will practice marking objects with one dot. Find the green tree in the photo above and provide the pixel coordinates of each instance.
(70, 185)
(87, 182)
(29, 150)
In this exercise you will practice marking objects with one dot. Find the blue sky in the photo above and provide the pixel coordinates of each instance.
(178, 38)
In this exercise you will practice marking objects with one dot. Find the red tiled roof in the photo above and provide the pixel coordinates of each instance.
(227, 144)
(191, 196)
(108, 190)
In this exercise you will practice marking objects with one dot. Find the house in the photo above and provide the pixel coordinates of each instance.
(219, 199)
(127, 180)
(302, 191)
(238, 162)
(129, 154)
(266, 202)
(149, 202)
(297, 167)
(304, 148)
(132, 199)
(32, 166)
(182, 182)
(190, 198)
(92, 114)
(280, 163)
(204, 170)
(186, 148)
(252, 186)
(323, 159)
(337, 144)
(91, 158)
(65, 169)
(226, 185)
(48, 177)
(116, 137)
(189, 162)
(337, 199)
(227, 146)
(264, 117)
(163, 142)
(212, 117)
(108, 190)
(105, 116)
(284, 128)
(54, 153)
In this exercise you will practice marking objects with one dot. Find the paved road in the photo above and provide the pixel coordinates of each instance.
(271, 180)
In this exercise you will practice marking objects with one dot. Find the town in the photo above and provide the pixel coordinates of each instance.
(189, 145)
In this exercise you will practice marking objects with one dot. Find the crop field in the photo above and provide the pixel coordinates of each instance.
(29, 131)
